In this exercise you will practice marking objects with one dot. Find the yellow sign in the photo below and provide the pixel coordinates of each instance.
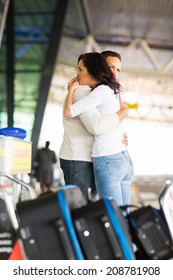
(15, 155)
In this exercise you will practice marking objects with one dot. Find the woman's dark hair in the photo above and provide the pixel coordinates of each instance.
(98, 68)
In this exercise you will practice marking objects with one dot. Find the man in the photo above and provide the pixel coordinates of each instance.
(45, 159)
(114, 61)
(75, 151)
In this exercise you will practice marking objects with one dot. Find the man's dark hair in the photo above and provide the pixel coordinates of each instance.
(98, 68)
(111, 53)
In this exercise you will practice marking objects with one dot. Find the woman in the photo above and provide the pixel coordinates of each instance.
(113, 168)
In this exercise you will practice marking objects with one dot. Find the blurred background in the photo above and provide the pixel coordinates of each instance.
(40, 42)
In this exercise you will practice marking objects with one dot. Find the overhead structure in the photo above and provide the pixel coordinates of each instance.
(142, 33)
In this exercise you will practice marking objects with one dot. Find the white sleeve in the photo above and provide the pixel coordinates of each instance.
(122, 94)
(90, 101)
(96, 123)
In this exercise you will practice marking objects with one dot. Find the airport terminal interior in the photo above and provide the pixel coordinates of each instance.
(40, 42)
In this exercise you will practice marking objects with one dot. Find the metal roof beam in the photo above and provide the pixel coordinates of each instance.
(168, 65)
(150, 55)
(93, 43)
(10, 65)
(86, 15)
(3, 17)
(147, 72)
(50, 62)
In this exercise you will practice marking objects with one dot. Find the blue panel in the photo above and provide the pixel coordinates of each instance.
(117, 228)
(68, 221)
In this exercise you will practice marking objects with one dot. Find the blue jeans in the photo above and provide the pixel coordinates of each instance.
(79, 173)
(113, 176)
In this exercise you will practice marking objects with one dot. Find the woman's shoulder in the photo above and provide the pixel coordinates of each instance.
(103, 88)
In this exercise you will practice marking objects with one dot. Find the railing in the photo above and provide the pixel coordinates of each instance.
(10, 208)
(16, 186)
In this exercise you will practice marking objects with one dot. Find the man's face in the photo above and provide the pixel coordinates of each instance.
(115, 65)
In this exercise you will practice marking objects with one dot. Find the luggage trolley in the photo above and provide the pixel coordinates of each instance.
(15, 160)
(166, 204)
(152, 228)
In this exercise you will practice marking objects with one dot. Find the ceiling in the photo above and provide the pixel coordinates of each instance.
(142, 32)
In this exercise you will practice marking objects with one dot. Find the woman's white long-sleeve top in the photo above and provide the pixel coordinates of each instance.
(107, 102)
